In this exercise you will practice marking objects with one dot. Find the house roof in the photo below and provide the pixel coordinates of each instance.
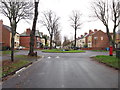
(82, 37)
(24, 34)
(96, 32)
(37, 34)
(7, 27)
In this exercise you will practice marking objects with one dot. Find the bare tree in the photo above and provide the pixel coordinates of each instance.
(108, 11)
(57, 37)
(32, 34)
(66, 41)
(49, 21)
(15, 10)
(75, 23)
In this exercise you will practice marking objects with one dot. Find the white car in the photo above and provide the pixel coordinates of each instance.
(58, 47)
(20, 47)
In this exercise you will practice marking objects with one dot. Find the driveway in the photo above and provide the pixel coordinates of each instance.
(65, 70)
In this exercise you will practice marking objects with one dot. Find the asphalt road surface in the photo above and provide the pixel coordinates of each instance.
(65, 70)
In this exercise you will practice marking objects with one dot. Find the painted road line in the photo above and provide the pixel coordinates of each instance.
(49, 57)
(57, 57)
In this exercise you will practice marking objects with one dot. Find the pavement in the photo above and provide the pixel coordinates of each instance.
(65, 70)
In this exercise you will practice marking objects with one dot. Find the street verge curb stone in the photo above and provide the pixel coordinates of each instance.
(12, 73)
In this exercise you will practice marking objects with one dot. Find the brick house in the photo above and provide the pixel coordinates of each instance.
(5, 37)
(25, 39)
(99, 39)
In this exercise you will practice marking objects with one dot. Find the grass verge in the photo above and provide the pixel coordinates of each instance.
(111, 61)
(61, 51)
(9, 67)
(7, 52)
(27, 57)
(102, 51)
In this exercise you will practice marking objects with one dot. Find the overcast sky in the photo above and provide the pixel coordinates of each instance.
(63, 9)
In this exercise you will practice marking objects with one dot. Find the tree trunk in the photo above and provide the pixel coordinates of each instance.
(51, 41)
(109, 36)
(111, 41)
(31, 51)
(12, 47)
(13, 29)
(45, 41)
(114, 37)
(32, 34)
(75, 38)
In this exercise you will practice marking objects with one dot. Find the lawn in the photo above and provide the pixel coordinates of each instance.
(20, 61)
(61, 51)
(100, 51)
(108, 60)
(8, 66)
(26, 57)
(7, 52)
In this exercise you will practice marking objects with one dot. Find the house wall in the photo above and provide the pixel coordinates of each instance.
(80, 42)
(48, 42)
(101, 40)
(43, 41)
(25, 41)
(6, 37)
(117, 38)
(17, 40)
(89, 41)
(38, 42)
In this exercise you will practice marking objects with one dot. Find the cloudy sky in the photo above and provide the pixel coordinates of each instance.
(63, 9)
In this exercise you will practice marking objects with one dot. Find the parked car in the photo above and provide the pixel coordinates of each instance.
(46, 47)
(20, 48)
(75, 48)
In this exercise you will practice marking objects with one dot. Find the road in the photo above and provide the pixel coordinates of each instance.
(65, 70)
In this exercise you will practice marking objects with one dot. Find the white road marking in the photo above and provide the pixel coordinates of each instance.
(57, 57)
(49, 57)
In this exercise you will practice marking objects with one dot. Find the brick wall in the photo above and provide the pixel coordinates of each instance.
(5, 37)
(25, 40)
(100, 40)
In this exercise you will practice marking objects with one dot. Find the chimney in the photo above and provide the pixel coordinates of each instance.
(95, 30)
(90, 31)
(28, 31)
(85, 33)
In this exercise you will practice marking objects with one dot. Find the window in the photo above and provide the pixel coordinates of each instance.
(101, 38)
(95, 38)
